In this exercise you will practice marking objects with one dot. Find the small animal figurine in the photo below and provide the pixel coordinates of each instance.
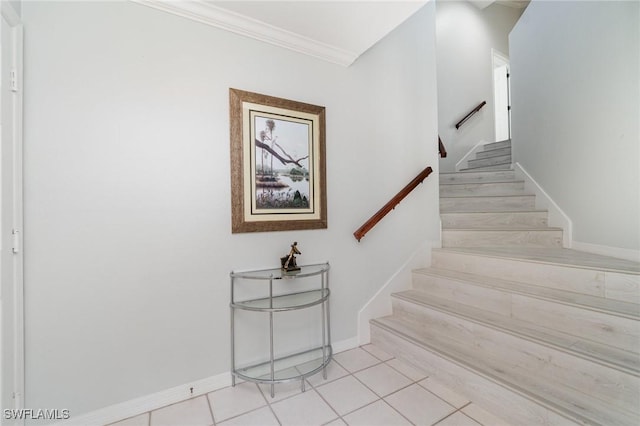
(289, 261)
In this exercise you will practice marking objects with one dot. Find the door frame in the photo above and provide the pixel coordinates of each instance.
(12, 205)
(499, 59)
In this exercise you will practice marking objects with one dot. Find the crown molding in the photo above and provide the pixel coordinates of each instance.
(207, 13)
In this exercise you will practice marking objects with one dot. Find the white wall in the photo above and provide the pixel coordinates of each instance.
(127, 190)
(465, 37)
(575, 97)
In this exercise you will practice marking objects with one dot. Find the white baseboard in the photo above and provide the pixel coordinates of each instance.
(620, 253)
(137, 406)
(345, 345)
(380, 304)
(557, 217)
(469, 153)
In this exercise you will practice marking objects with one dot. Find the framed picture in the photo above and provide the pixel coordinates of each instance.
(278, 180)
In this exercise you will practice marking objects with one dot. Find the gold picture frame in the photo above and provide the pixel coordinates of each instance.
(278, 165)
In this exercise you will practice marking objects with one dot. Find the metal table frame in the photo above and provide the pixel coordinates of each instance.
(266, 304)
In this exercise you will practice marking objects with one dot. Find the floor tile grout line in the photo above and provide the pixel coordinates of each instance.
(327, 402)
(405, 375)
(274, 414)
(322, 397)
(340, 416)
(397, 411)
(315, 389)
(311, 388)
(372, 354)
(242, 414)
(379, 398)
(213, 417)
(467, 415)
(357, 371)
(438, 396)
(459, 410)
(268, 403)
(375, 393)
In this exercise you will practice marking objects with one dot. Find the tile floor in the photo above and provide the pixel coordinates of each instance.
(364, 386)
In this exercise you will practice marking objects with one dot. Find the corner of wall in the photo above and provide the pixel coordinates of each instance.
(472, 151)
(557, 217)
(380, 304)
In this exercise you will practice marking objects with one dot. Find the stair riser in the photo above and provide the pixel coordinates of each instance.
(497, 145)
(476, 176)
(522, 357)
(485, 392)
(504, 166)
(492, 161)
(493, 153)
(487, 204)
(622, 287)
(623, 333)
(487, 238)
(613, 330)
(583, 281)
(482, 220)
(492, 300)
(481, 188)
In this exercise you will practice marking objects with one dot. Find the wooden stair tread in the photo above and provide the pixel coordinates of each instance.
(491, 181)
(506, 157)
(503, 166)
(585, 301)
(480, 172)
(566, 402)
(618, 359)
(515, 227)
(493, 152)
(555, 256)
(493, 145)
(505, 195)
(494, 212)
(462, 212)
(506, 228)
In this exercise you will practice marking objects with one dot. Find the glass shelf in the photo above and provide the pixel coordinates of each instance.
(286, 369)
(279, 297)
(279, 274)
(285, 302)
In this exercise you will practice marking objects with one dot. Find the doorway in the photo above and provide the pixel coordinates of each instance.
(501, 95)
(11, 250)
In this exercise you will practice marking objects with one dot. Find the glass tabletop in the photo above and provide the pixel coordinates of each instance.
(280, 274)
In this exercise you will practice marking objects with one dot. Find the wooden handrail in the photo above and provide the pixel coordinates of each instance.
(473, 111)
(373, 220)
(441, 150)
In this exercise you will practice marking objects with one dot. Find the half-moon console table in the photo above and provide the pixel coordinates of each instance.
(297, 366)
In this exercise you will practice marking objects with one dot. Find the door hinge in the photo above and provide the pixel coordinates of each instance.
(14, 80)
(16, 241)
(508, 75)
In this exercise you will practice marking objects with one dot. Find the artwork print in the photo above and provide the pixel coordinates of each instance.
(281, 170)
(277, 163)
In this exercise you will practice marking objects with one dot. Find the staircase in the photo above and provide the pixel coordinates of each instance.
(536, 333)
(494, 156)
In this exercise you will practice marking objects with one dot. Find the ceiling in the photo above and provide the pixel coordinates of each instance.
(337, 31)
